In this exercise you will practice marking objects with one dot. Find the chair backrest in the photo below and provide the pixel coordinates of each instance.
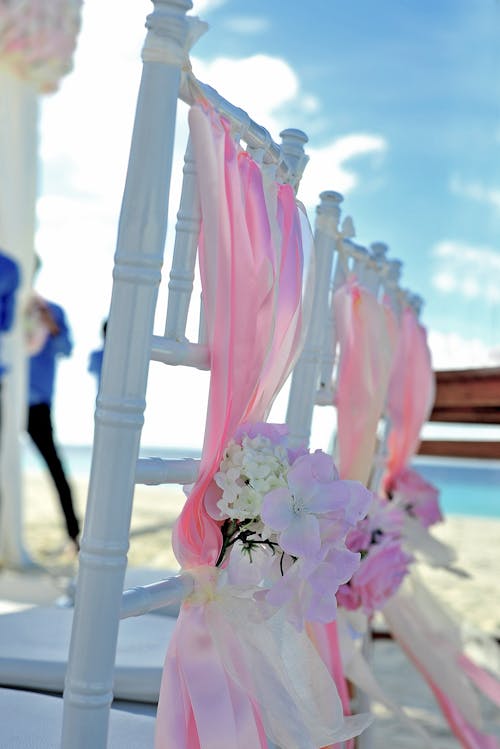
(304, 382)
(337, 258)
(130, 346)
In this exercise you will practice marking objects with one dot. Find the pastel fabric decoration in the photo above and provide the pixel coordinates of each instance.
(366, 331)
(237, 671)
(38, 39)
(367, 334)
(430, 636)
(411, 394)
(433, 639)
(410, 398)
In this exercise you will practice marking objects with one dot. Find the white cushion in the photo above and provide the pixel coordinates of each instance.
(34, 648)
(33, 721)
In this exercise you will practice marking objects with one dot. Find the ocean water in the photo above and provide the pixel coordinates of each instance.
(468, 487)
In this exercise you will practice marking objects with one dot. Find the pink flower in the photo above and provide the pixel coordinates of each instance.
(417, 496)
(277, 433)
(383, 522)
(379, 576)
(348, 597)
(313, 490)
(359, 539)
(307, 590)
(384, 516)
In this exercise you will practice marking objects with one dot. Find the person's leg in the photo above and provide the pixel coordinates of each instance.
(40, 431)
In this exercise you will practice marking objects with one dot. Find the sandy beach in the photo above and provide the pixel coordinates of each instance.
(475, 598)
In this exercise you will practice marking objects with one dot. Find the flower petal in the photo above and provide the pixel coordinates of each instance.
(301, 538)
(276, 510)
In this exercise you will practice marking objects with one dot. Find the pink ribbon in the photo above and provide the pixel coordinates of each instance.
(201, 707)
(285, 345)
(326, 642)
(252, 306)
(486, 682)
(468, 735)
(237, 266)
(366, 331)
(411, 393)
(433, 641)
(418, 620)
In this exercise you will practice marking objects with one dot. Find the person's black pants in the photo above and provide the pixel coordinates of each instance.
(40, 431)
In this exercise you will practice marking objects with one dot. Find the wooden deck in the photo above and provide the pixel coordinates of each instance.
(467, 396)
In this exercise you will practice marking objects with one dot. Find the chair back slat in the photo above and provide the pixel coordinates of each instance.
(324, 395)
(391, 284)
(185, 353)
(379, 252)
(202, 327)
(156, 471)
(146, 598)
(182, 270)
(305, 375)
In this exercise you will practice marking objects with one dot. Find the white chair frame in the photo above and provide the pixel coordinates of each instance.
(313, 377)
(120, 405)
(336, 256)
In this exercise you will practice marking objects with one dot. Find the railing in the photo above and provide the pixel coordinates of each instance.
(466, 396)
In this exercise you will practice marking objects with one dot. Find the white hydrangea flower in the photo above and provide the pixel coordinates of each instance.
(247, 473)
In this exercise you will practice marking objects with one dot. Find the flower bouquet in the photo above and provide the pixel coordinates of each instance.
(285, 517)
(418, 497)
(384, 563)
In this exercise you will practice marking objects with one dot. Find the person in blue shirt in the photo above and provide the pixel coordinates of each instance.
(42, 369)
(9, 281)
(96, 357)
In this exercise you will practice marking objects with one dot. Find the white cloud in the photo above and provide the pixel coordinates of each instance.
(492, 292)
(466, 269)
(444, 281)
(310, 104)
(466, 254)
(471, 288)
(452, 351)
(245, 83)
(247, 24)
(329, 168)
(476, 191)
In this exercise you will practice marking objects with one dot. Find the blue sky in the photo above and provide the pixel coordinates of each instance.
(400, 101)
(424, 77)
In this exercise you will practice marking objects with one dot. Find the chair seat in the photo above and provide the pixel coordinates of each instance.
(34, 646)
(33, 721)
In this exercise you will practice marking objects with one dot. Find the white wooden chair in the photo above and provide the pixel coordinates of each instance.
(91, 674)
(337, 256)
(313, 379)
(380, 276)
